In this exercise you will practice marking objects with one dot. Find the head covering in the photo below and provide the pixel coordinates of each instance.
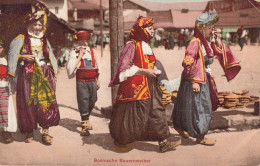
(82, 35)
(202, 21)
(138, 31)
(206, 19)
(36, 15)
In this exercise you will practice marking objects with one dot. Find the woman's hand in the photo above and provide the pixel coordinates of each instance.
(28, 58)
(195, 87)
(150, 72)
(216, 37)
(146, 72)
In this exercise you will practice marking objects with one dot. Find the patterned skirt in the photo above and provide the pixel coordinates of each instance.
(3, 107)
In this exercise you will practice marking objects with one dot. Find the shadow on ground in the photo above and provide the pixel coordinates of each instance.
(105, 141)
(19, 137)
(70, 124)
(95, 111)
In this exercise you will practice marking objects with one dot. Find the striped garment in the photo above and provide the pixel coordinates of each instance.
(3, 107)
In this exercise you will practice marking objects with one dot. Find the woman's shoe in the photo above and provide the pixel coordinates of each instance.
(7, 137)
(167, 145)
(206, 141)
(87, 124)
(121, 148)
(84, 130)
(29, 137)
(182, 133)
(46, 138)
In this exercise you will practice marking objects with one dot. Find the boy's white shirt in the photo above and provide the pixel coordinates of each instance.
(71, 65)
(133, 69)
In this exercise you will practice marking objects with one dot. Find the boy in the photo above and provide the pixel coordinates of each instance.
(82, 63)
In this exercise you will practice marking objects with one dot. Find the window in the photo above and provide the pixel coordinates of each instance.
(56, 10)
(243, 15)
(184, 10)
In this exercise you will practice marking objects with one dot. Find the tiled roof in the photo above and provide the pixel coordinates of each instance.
(184, 20)
(247, 17)
(158, 6)
(174, 18)
(89, 4)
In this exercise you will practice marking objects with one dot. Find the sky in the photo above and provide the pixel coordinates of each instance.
(177, 0)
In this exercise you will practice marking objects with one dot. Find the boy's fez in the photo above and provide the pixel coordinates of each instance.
(82, 35)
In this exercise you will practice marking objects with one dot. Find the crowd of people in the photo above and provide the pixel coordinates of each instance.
(181, 38)
(30, 69)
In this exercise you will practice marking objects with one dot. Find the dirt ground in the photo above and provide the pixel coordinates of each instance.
(235, 148)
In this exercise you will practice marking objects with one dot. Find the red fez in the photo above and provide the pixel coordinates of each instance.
(82, 35)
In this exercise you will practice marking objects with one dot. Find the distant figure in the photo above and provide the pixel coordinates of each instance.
(181, 38)
(187, 37)
(94, 39)
(228, 38)
(157, 38)
(104, 41)
(166, 44)
(224, 36)
(64, 57)
(241, 36)
(171, 42)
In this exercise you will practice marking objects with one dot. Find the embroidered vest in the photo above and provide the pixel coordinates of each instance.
(136, 87)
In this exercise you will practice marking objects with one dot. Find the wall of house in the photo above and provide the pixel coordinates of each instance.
(11, 24)
(58, 7)
(131, 15)
(161, 16)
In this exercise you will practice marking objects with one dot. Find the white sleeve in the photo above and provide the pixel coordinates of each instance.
(243, 33)
(128, 73)
(71, 65)
(157, 71)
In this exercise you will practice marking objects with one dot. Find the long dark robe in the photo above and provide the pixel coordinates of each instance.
(193, 111)
(29, 116)
(141, 120)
